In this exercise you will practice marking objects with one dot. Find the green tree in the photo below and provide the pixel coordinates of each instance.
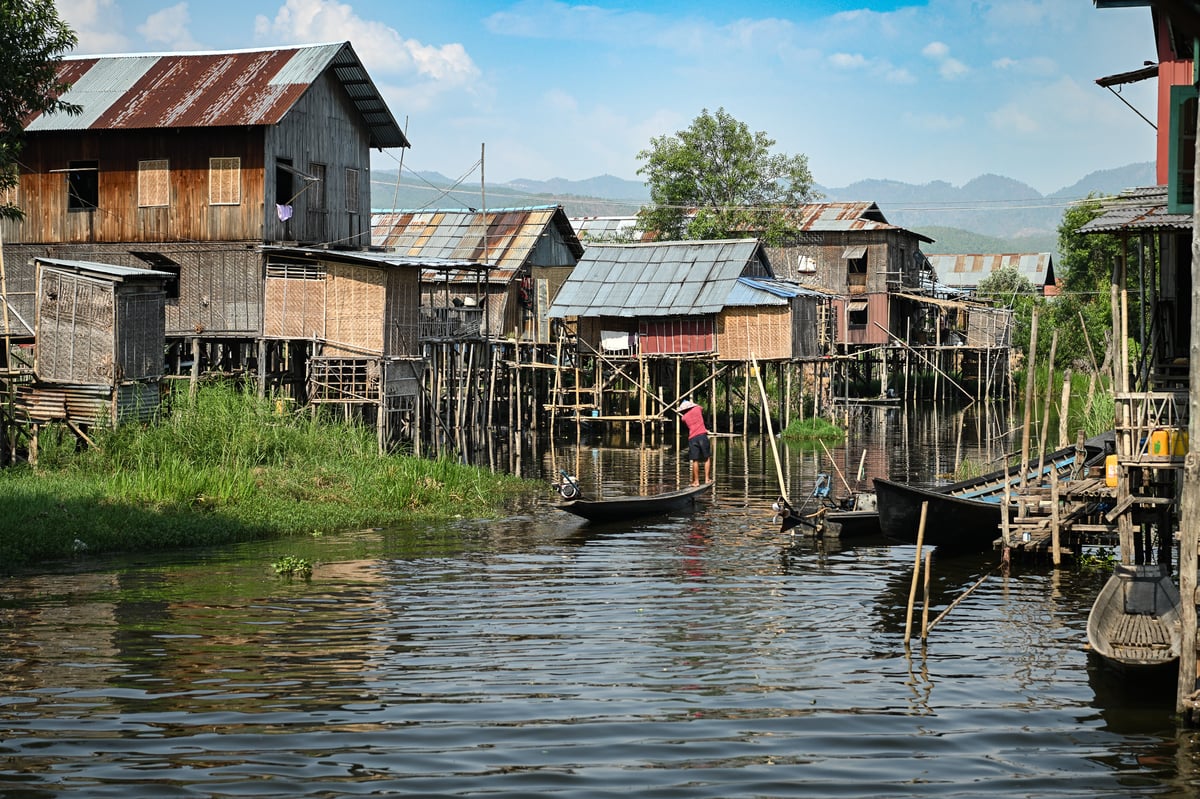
(718, 180)
(1008, 288)
(1085, 268)
(32, 41)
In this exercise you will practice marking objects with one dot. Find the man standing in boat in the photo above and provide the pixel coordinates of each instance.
(699, 447)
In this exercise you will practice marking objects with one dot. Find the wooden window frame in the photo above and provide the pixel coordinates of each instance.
(1181, 156)
(225, 180)
(154, 183)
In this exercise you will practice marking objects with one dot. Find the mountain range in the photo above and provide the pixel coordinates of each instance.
(990, 213)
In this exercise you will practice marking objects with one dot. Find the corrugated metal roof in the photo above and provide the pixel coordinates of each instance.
(215, 89)
(810, 217)
(961, 270)
(659, 279)
(105, 270)
(382, 259)
(504, 239)
(1139, 209)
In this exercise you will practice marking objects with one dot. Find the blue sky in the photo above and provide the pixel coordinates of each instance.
(912, 91)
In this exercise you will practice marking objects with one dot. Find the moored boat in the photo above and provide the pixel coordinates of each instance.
(619, 508)
(966, 516)
(1134, 622)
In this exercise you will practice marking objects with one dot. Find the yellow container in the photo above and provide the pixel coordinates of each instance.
(1160, 443)
(1110, 471)
(1179, 442)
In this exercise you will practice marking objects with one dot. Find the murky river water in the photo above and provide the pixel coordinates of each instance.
(694, 656)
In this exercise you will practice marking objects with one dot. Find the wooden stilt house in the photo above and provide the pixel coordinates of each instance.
(528, 253)
(187, 163)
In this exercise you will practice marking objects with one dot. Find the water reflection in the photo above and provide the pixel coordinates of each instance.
(699, 655)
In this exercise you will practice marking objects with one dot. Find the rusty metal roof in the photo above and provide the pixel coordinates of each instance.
(216, 89)
(808, 218)
(1139, 209)
(675, 278)
(504, 238)
(965, 271)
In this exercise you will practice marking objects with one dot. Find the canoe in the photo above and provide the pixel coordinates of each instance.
(965, 516)
(1134, 622)
(620, 508)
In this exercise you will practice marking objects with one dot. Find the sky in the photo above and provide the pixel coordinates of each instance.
(913, 91)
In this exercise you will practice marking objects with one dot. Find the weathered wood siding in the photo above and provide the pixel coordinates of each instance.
(42, 190)
(875, 327)
(322, 128)
(681, 335)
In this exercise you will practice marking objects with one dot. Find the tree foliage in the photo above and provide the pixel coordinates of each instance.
(718, 180)
(32, 40)
(1086, 271)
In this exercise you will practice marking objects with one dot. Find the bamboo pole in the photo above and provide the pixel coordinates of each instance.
(912, 591)
(1064, 411)
(925, 604)
(1029, 381)
(1042, 447)
(770, 434)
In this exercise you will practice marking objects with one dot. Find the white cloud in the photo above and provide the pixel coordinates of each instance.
(848, 60)
(952, 68)
(428, 69)
(170, 27)
(935, 50)
(97, 24)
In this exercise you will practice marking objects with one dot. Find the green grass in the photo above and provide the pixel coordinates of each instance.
(223, 467)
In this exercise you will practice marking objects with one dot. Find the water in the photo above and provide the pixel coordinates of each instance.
(693, 656)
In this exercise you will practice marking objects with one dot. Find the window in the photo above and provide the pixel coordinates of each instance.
(856, 313)
(285, 183)
(8, 195)
(161, 263)
(316, 188)
(856, 267)
(154, 185)
(1182, 155)
(352, 190)
(224, 181)
(83, 185)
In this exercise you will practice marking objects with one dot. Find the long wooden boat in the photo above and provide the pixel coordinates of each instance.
(619, 508)
(965, 516)
(1134, 622)
(857, 516)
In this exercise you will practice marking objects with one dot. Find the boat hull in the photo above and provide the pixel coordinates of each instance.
(1134, 622)
(621, 508)
(965, 516)
(952, 524)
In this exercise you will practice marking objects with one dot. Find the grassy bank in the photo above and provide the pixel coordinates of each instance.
(223, 467)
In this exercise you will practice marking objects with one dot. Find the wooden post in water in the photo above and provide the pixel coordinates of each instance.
(925, 604)
(1042, 446)
(912, 591)
(1055, 535)
(1029, 381)
(1189, 523)
(1064, 411)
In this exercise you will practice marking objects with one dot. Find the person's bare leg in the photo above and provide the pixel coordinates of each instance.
(695, 473)
(708, 471)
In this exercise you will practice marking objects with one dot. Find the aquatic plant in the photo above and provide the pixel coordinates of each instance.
(813, 428)
(292, 566)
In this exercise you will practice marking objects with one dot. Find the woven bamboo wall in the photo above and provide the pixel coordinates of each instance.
(989, 327)
(76, 329)
(294, 307)
(763, 332)
(355, 301)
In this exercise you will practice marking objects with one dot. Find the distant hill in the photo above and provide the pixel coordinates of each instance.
(991, 213)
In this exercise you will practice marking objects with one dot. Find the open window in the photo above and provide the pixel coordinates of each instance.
(161, 263)
(83, 185)
(856, 268)
(856, 313)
